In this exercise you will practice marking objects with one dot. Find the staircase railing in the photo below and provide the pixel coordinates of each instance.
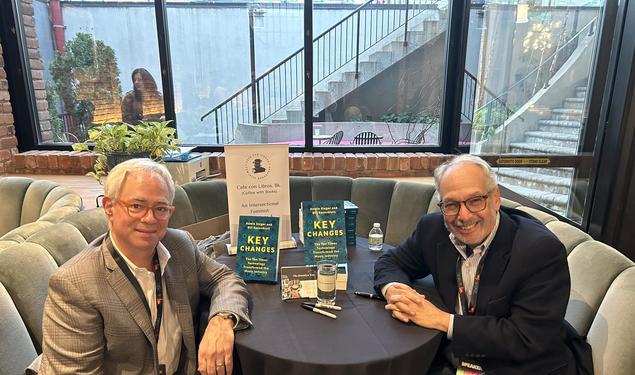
(496, 109)
(339, 45)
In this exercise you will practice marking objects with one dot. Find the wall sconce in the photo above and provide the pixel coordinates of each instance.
(257, 15)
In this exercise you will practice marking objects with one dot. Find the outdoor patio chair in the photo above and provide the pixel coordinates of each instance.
(335, 139)
(367, 138)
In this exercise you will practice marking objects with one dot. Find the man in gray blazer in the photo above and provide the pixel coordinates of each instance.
(127, 303)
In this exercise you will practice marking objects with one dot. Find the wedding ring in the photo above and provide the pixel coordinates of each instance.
(220, 364)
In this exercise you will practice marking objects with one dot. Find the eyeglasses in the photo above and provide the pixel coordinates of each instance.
(473, 204)
(138, 210)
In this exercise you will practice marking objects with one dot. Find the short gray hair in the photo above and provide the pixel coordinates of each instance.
(441, 170)
(116, 176)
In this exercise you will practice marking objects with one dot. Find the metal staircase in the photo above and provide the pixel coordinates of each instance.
(351, 52)
(559, 134)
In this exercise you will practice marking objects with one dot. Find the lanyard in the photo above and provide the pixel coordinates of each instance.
(133, 280)
(468, 309)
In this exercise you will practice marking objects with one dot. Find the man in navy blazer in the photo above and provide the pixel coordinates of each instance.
(502, 275)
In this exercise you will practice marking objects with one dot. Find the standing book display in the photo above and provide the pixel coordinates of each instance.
(258, 185)
(324, 231)
(257, 250)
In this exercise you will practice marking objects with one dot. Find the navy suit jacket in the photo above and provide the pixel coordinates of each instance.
(523, 293)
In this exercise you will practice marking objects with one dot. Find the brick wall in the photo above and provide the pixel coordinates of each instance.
(37, 70)
(8, 142)
(411, 164)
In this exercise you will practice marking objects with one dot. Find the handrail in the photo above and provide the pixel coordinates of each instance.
(335, 47)
(297, 52)
(509, 89)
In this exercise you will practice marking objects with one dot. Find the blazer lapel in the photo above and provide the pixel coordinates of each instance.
(179, 299)
(127, 295)
(496, 260)
(446, 273)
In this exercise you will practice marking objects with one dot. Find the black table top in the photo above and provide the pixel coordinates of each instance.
(364, 339)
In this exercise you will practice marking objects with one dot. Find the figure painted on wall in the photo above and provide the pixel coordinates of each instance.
(144, 102)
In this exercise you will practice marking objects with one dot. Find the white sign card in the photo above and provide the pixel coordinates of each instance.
(258, 185)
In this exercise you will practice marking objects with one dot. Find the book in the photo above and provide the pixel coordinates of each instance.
(323, 231)
(298, 282)
(301, 281)
(350, 213)
(257, 248)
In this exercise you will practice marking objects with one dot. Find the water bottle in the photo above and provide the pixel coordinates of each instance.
(375, 238)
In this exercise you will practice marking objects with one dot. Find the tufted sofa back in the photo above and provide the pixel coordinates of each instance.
(30, 205)
(602, 279)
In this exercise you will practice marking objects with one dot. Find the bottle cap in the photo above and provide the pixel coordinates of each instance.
(376, 225)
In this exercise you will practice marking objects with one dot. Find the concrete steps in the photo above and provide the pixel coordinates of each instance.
(558, 135)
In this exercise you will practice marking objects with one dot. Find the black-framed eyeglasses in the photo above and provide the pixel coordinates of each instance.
(138, 210)
(473, 204)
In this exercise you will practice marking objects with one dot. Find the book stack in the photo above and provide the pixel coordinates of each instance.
(350, 215)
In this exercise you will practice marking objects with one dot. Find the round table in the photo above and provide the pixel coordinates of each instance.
(364, 339)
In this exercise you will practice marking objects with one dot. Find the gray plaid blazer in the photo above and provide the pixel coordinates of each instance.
(95, 323)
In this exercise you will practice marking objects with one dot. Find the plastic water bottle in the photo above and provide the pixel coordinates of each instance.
(375, 238)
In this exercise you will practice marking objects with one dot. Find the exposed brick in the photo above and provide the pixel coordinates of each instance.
(39, 85)
(307, 161)
(351, 162)
(86, 160)
(393, 162)
(415, 160)
(64, 161)
(434, 161)
(329, 161)
(37, 74)
(371, 161)
(19, 160)
(6, 107)
(6, 118)
(28, 21)
(404, 161)
(42, 105)
(318, 161)
(425, 161)
(8, 142)
(31, 160)
(40, 94)
(362, 162)
(4, 130)
(5, 155)
(382, 161)
(297, 161)
(339, 161)
(42, 160)
(36, 64)
(52, 159)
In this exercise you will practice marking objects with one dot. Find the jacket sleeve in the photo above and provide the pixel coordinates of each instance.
(226, 290)
(73, 341)
(522, 325)
(404, 263)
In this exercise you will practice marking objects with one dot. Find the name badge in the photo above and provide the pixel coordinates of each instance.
(467, 368)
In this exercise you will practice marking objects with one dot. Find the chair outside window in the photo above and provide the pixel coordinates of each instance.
(367, 138)
(335, 139)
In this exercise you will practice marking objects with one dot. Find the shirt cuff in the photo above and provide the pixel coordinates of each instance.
(385, 288)
(451, 327)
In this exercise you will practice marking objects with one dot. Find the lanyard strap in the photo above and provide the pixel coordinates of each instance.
(133, 280)
(468, 308)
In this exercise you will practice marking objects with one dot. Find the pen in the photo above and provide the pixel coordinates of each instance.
(323, 306)
(321, 312)
(369, 295)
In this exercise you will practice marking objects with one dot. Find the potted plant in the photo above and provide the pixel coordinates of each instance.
(121, 141)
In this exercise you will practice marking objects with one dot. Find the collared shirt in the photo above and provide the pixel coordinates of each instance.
(468, 267)
(170, 336)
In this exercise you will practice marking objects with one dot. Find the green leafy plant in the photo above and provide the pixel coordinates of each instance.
(152, 139)
(425, 118)
(84, 74)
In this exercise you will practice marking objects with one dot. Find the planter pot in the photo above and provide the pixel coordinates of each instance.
(119, 157)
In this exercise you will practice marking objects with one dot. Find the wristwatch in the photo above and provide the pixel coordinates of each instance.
(227, 315)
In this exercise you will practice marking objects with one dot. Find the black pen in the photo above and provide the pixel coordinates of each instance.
(369, 295)
(321, 312)
(322, 306)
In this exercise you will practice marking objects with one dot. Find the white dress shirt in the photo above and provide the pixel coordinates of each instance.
(170, 336)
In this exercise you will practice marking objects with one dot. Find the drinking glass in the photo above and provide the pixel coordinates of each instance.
(326, 277)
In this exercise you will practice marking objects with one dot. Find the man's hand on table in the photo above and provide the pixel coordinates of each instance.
(407, 305)
(216, 348)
